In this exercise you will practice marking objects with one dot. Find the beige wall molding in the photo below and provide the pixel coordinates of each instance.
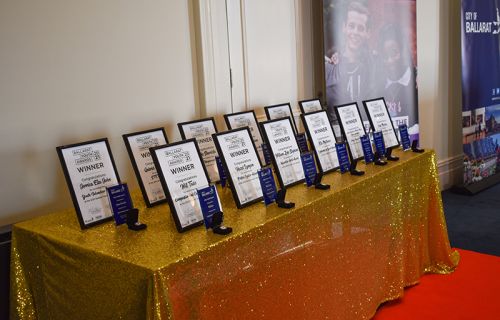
(451, 171)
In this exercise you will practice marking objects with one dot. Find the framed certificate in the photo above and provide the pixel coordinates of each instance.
(138, 145)
(202, 131)
(279, 111)
(380, 121)
(247, 119)
(322, 139)
(308, 106)
(241, 162)
(182, 173)
(285, 152)
(352, 128)
(89, 168)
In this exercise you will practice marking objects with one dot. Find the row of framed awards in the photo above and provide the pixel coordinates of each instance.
(176, 172)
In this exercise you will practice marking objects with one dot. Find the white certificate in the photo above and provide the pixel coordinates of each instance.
(241, 160)
(352, 128)
(285, 151)
(280, 111)
(202, 131)
(89, 169)
(138, 145)
(308, 106)
(247, 119)
(182, 173)
(323, 139)
(381, 121)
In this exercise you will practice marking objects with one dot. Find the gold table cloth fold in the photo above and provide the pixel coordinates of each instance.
(338, 254)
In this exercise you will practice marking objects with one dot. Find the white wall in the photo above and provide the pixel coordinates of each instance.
(73, 70)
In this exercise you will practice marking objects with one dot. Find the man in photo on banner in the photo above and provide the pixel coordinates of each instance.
(399, 76)
(349, 73)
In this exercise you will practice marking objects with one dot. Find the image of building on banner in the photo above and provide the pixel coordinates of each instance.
(480, 89)
(370, 52)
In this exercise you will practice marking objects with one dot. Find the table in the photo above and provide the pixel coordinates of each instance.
(337, 255)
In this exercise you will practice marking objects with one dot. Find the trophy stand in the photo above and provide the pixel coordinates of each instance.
(317, 182)
(353, 170)
(280, 200)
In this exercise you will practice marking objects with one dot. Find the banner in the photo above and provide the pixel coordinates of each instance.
(480, 88)
(370, 52)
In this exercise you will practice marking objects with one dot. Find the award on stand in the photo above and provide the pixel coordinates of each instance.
(89, 168)
(308, 106)
(122, 207)
(182, 173)
(302, 142)
(241, 162)
(380, 121)
(268, 185)
(212, 210)
(138, 145)
(378, 140)
(323, 141)
(285, 153)
(202, 131)
(405, 137)
(280, 111)
(343, 157)
(247, 119)
(352, 130)
(367, 149)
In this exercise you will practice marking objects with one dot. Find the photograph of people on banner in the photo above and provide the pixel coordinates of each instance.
(370, 51)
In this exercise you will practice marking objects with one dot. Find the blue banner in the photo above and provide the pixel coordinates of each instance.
(309, 167)
(268, 185)
(209, 203)
(367, 148)
(343, 157)
(480, 89)
(120, 202)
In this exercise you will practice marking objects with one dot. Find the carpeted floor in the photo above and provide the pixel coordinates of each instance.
(471, 292)
(474, 221)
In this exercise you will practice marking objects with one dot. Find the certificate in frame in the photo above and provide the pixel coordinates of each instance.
(311, 105)
(380, 120)
(352, 128)
(182, 173)
(247, 119)
(285, 152)
(322, 139)
(202, 131)
(138, 145)
(278, 111)
(241, 162)
(89, 168)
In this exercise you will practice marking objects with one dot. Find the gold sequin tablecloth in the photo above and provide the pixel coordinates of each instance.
(337, 255)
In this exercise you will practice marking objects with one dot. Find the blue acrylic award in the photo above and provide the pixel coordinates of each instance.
(120, 202)
(222, 172)
(378, 138)
(268, 185)
(302, 142)
(367, 149)
(209, 203)
(267, 155)
(343, 157)
(309, 167)
(405, 137)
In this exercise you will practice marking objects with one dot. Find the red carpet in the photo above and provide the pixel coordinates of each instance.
(471, 292)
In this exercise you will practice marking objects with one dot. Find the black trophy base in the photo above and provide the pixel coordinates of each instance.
(317, 183)
(380, 162)
(133, 220)
(353, 171)
(280, 200)
(217, 226)
(389, 156)
(415, 148)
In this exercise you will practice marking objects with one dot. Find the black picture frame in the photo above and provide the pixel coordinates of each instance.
(343, 130)
(313, 144)
(268, 115)
(67, 177)
(232, 183)
(164, 184)
(302, 102)
(230, 127)
(126, 137)
(181, 125)
(365, 102)
(273, 158)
